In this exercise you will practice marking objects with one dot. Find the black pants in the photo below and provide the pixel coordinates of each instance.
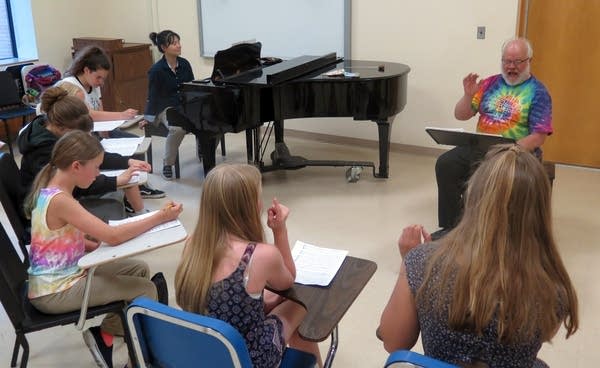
(452, 171)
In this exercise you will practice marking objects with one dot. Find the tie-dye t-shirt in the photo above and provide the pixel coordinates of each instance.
(53, 254)
(513, 111)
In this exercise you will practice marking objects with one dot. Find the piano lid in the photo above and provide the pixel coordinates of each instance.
(284, 71)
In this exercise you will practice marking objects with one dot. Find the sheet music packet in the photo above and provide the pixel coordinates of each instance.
(108, 125)
(122, 146)
(448, 129)
(163, 226)
(316, 265)
(484, 140)
(128, 123)
(137, 177)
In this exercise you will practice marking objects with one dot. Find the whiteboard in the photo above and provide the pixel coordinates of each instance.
(286, 28)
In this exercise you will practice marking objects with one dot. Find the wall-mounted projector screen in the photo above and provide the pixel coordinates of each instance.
(286, 28)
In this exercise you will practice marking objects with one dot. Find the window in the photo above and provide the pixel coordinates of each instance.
(17, 32)
(7, 50)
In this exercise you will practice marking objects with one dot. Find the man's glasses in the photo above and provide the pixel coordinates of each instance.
(517, 62)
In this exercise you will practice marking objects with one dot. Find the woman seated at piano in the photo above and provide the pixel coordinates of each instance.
(493, 289)
(226, 266)
(164, 79)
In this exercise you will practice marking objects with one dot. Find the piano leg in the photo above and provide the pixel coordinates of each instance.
(208, 145)
(384, 128)
(278, 124)
(250, 146)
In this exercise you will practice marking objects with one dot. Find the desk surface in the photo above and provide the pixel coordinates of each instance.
(327, 305)
(140, 244)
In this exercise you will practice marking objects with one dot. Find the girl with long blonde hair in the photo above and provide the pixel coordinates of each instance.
(226, 265)
(493, 289)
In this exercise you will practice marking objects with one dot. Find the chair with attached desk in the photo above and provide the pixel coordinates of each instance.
(409, 359)
(163, 336)
(23, 316)
(326, 306)
(11, 105)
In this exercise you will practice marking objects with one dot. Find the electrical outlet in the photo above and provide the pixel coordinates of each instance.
(481, 32)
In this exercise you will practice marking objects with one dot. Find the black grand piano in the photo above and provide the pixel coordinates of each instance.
(297, 88)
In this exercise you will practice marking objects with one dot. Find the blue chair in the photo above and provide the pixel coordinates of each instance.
(163, 336)
(407, 359)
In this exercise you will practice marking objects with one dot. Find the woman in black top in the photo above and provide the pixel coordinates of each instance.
(164, 79)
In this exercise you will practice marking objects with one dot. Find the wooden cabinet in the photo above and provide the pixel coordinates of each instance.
(127, 82)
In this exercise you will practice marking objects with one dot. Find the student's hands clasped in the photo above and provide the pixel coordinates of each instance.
(139, 165)
(412, 236)
(171, 211)
(277, 215)
(125, 177)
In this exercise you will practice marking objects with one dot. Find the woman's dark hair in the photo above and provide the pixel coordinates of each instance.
(92, 57)
(163, 39)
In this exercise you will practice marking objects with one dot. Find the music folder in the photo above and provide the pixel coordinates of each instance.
(455, 137)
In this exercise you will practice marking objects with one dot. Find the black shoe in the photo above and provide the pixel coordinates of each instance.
(439, 234)
(102, 354)
(161, 287)
(148, 192)
(128, 207)
(167, 172)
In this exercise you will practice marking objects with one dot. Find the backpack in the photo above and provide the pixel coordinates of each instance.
(39, 79)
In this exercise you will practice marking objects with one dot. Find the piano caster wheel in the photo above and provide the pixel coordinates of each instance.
(353, 174)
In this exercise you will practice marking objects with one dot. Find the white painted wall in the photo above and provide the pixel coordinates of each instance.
(436, 38)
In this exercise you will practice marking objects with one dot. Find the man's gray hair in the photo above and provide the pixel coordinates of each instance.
(522, 39)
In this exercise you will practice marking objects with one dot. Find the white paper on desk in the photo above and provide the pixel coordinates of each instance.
(122, 146)
(137, 177)
(163, 226)
(316, 265)
(107, 126)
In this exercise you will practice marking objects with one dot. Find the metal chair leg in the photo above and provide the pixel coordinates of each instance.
(15, 354)
(25, 356)
(20, 340)
(332, 348)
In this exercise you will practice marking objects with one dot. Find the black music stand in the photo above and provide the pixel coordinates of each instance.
(480, 141)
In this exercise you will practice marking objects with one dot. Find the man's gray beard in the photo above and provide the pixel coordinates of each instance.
(522, 77)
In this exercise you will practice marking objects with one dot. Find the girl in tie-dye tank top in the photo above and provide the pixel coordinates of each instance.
(59, 228)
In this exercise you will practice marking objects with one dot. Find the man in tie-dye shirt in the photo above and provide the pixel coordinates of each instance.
(513, 104)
